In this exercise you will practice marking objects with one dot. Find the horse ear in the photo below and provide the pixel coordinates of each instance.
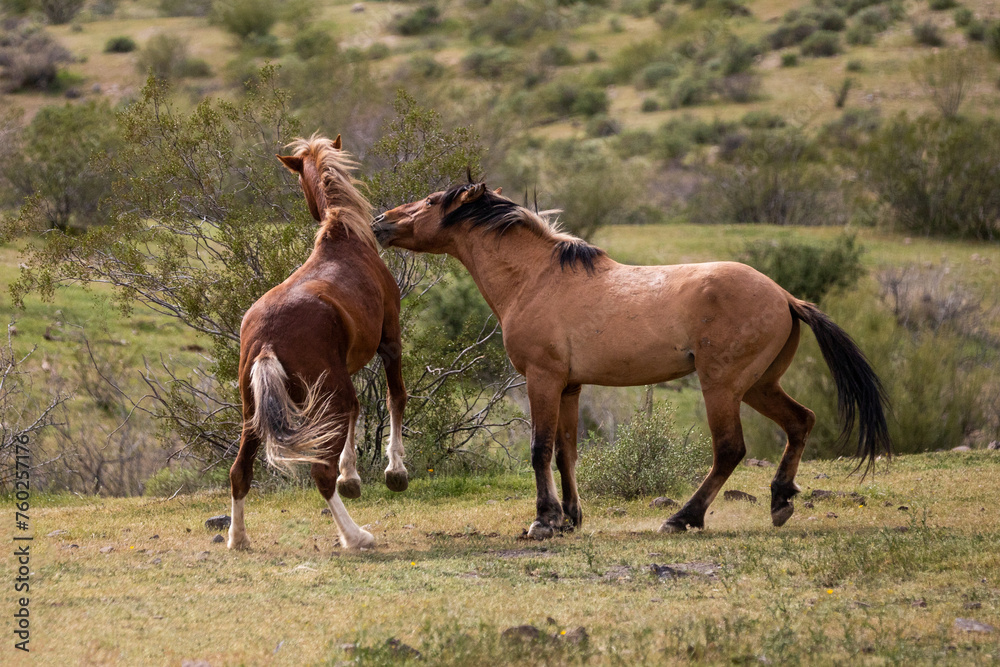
(292, 162)
(498, 191)
(473, 192)
(336, 142)
(468, 174)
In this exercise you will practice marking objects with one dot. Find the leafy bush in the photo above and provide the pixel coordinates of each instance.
(739, 88)
(311, 43)
(53, 165)
(603, 126)
(59, 12)
(821, 44)
(29, 58)
(876, 18)
(246, 18)
(771, 176)
(419, 21)
(829, 19)
(937, 177)
(855, 66)
(556, 55)
(194, 68)
(490, 63)
(648, 457)
(941, 5)
(806, 270)
(790, 34)
(512, 22)
(649, 105)
(928, 34)
(963, 16)
(946, 77)
(975, 31)
(426, 67)
(120, 44)
(163, 56)
(564, 98)
(860, 35)
(762, 120)
(185, 7)
(789, 59)
(655, 73)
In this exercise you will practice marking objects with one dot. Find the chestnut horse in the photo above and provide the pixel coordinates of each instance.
(571, 316)
(301, 342)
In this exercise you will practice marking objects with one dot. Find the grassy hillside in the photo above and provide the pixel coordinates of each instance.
(879, 578)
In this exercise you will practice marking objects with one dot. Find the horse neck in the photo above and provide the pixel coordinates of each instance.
(502, 266)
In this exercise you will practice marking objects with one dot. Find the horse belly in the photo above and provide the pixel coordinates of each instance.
(627, 364)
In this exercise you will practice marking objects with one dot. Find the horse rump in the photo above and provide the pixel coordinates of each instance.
(291, 432)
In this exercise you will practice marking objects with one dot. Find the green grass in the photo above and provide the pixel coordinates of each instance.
(448, 574)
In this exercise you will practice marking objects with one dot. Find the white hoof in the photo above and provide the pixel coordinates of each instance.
(364, 540)
(239, 543)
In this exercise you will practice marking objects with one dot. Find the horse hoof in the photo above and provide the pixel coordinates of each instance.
(397, 481)
(668, 527)
(365, 540)
(349, 488)
(238, 544)
(782, 514)
(540, 531)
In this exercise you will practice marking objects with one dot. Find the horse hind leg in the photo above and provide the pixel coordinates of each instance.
(797, 422)
(566, 454)
(396, 477)
(351, 536)
(240, 477)
(349, 482)
(727, 450)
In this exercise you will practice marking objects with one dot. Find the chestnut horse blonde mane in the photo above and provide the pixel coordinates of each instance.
(339, 187)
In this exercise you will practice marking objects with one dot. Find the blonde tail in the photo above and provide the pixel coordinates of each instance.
(291, 433)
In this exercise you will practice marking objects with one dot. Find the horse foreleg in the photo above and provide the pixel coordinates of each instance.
(727, 450)
(797, 422)
(396, 477)
(349, 482)
(240, 477)
(569, 413)
(544, 397)
(351, 536)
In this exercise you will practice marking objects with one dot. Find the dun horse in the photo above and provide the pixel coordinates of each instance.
(572, 316)
(301, 342)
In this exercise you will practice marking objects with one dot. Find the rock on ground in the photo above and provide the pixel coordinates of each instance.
(220, 522)
(739, 495)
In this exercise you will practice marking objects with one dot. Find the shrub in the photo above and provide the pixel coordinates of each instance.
(556, 55)
(311, 43)
(771, 176)
(975, 31)
(876, 18)
(262, 46)
(647, 457)
(653, 74)
(941, 5)
(840, 94)
(946, 78)
(688, 90)
(649, 105)
(928, 34)
(738, 56)
(512, 22)
(807, 270)
(963, 16)
(631, 143)
(378, 51)
(426, 67)
(937, 177)
(762, 120)
(29, 58)
(592, 56)
(246, 18)
(59, 12)
(185, 7)
(195, 68)
(665, 18)
(602, 126)
(740, 88)
(490, 63)
(821, 44)
(993, 39)
(120, 44)
(421, 20)
(790, 34)
(860, 35)
(163, 56)
(829, 19)
(789, 59)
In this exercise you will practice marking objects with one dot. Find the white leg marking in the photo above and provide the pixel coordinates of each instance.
(349, 457)
(394, 451)
(237, 529)
(351, 536)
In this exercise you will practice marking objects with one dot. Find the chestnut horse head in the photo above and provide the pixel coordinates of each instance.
(324, 170)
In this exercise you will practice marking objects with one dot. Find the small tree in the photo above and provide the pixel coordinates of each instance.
(60, 11)
(52, 165)
(947, 77)
(246, 18)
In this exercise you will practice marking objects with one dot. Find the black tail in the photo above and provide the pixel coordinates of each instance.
(860, 395)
